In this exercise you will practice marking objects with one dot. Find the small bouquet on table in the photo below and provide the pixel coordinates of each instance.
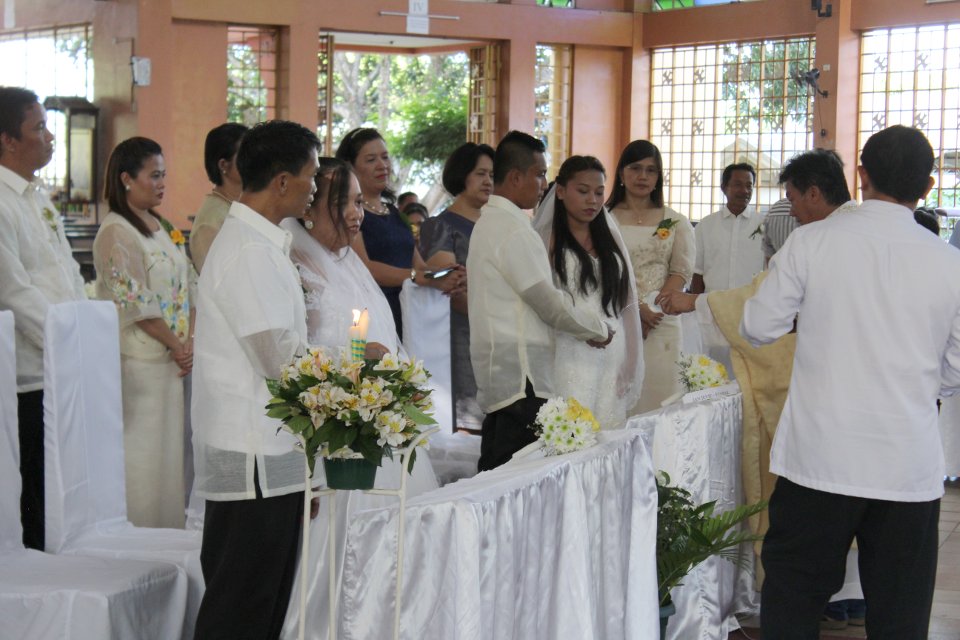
(562, 425)
(703, 378)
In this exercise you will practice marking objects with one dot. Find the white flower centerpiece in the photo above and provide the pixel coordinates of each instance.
(343, 408)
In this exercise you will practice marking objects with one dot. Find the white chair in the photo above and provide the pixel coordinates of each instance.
(83, 445)
(48, 597)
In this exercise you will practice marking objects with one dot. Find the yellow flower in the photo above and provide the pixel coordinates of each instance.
(663, 234)
(177, 236)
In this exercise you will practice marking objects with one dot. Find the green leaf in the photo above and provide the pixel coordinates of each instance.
(278, 411)
(299, 424)
(419, 417)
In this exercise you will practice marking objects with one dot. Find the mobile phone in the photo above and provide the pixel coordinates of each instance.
(442, 273)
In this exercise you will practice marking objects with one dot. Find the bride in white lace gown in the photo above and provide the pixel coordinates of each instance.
(590, 262)
(335, 281)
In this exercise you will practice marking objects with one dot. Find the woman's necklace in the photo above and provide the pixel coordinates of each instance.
(378, 208)
(221, 196)
(649, 217)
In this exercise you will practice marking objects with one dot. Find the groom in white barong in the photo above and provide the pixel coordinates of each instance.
(514, 306)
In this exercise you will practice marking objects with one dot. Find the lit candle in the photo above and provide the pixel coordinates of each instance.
(358, 334)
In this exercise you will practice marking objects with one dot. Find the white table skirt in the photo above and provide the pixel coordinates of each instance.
(561, 547)
(698, 445)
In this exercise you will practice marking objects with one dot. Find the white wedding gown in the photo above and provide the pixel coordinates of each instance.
(335, 284)
(592, 375)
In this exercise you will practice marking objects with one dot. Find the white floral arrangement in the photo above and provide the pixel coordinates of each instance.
(339, 407)
(564, 425)
(700, 372)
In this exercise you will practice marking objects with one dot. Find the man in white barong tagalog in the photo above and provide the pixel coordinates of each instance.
(514, 306)
(37, 269)
(857, 449)
(251, 323)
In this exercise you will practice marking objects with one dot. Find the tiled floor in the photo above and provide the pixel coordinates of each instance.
(945, 620)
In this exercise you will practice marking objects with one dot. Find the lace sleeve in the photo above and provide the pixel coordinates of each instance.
(684, 252)
(120, 261)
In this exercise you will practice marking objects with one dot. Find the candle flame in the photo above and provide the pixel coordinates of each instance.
(356, 317)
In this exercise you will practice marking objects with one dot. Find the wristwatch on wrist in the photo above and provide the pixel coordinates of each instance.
(413, 276)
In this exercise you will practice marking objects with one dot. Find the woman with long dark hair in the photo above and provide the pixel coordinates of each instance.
(662, 252)
(386, 243)
(590, 262)
(142, 267)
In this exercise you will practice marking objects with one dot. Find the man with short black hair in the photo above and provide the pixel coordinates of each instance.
(513, 305)
(729, 241)
(37, 269)
(251, 322)
(857, 448)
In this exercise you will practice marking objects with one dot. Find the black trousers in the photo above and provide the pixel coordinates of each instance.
(507, 430)
(249, 559)
(30, 408)
(804, 555)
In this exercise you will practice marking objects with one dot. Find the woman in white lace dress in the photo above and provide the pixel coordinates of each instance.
(662, 252)
(142, 266)
(335, 281)
(589, 261)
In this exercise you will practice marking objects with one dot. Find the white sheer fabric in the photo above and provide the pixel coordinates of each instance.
(699, 446)
(335, 284)
(608, 381)
(562, 547)
(426, 329)
(83, 447)
(50, 597)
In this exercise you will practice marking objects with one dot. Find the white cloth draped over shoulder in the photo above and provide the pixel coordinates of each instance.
(607, 381)
(336, 283)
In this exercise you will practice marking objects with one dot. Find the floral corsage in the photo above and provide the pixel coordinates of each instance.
(700, 372)
(175, 234)
(50, 217)
(757, 232)
(664, 229)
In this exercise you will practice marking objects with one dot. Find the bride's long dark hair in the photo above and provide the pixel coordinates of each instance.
(613, 280)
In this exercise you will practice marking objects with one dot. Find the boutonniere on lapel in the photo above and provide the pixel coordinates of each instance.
(176, 236)
(50, 217)
(664, 229)
(757, 232)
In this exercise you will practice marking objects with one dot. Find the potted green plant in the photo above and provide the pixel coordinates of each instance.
(688, 534)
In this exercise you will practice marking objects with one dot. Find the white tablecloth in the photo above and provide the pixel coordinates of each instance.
(560, 547)
(698, 445)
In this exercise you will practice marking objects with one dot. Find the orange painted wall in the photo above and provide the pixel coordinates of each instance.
(597, 97)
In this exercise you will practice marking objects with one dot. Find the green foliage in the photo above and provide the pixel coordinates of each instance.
(688, 534)
(758, 79)
(246, 95)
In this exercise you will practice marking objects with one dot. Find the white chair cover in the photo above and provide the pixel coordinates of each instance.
(426, 336)
(85, 497)
(47, 597)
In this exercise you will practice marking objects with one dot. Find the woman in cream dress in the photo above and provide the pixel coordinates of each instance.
(336, 281)
(662, 252)
(142, 266)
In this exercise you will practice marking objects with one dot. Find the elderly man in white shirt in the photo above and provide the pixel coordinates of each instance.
(37, 270)
(251, 322)
(729, 241)
(514, 306)
(857, 449)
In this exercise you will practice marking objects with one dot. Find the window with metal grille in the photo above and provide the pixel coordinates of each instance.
(713, 105)
(553, 81)
(911, 76)
(568, 4)
(252, 73)
(50, 62)
(484, 95)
